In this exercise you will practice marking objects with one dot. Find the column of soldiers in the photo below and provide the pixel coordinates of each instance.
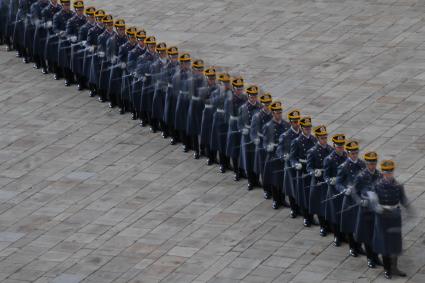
(214, 115)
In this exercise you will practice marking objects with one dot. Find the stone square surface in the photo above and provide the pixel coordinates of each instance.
(86, 195)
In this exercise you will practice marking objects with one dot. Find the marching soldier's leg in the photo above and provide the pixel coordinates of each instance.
(387, 267)
(236, 170)
(283, 198)
(323, 226)
(143, 118)
(224, 162)
(277, 197)
(195, 145)
(371, 256)
(203, 150)
(267, 194)
(185, 140)
(69, 76)
(352, 244)
(154, 124)
(355, 247)
(394, 267)
(92, 88)
(211, 155)
(294, 207)
(337, 235)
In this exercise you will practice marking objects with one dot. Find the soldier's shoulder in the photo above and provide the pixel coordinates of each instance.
(328, 158)
(256, 117)
(296, 140)
(269, 124)
(343, 165)
(363, 174)
(312, 150)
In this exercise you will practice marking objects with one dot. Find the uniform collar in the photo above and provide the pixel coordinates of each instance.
(162, 60)
(267, 113)
(336, 153)
(352, 161)
(322, 146)
(297, 132)
(307, 137)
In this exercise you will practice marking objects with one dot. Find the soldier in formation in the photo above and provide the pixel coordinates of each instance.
(213, 114)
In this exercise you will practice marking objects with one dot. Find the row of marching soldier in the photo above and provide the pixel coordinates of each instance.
(216, 116)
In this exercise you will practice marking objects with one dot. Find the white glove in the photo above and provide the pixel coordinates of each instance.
(379, 208)
(285, 156)
(245, 131)
(347, 191)
(123, 65)
(61, 33)
(317, 173)
(49, 24)
(257, 141)
(298, 166)
(101, 54)
(364, 202)
(270, 148)
(332, 181)
(74, 39)
(114, 59)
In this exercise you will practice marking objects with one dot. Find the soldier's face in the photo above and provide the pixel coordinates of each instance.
(211, 80)
(198, 71)
(353, 155)
(110, 27)
(121, 31)
(371, 166)
(253, 99)
(67, 7)
(277, 115)
(266, 107)
(174, 58)
(80, 12)
(141, 43)
(185, 65)
(132, 39)
(339, 148)
(306, 131)
(295, 124)
(388, 175)
(239, 90)
(90, 19)
(151, 47)
(54, 2)
(323, 140)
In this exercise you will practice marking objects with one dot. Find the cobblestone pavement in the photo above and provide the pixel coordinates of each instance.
(86, 195)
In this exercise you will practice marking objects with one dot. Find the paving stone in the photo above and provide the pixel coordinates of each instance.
(10, 237)
(182, 251)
